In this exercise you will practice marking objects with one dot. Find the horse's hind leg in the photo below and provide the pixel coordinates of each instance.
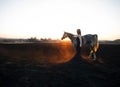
(94, 56)
(90, 55)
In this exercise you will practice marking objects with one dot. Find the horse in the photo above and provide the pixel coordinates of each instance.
(90, 43)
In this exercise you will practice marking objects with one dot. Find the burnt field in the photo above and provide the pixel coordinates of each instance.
(54, 65)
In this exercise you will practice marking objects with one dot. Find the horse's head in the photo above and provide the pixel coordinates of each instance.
(64, 35)
(71, 37)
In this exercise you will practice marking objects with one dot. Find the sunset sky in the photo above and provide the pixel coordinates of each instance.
(50, 18)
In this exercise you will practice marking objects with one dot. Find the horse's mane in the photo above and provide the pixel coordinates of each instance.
(69, 33)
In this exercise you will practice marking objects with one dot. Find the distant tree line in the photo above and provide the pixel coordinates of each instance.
(31, 39)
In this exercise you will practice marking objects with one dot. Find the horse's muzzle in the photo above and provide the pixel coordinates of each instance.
(62, 38)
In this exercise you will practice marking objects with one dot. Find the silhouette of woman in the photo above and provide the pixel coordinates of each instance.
(79, 42)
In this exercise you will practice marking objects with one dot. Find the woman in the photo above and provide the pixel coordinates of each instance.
(79, 42)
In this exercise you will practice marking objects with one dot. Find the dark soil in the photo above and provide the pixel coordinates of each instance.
(77, 72)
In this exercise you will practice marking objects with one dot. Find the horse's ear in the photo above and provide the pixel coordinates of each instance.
(64, 31)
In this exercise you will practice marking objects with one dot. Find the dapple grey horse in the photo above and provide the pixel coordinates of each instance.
(90, 41)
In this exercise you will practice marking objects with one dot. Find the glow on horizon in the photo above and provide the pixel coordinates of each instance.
(50, 18)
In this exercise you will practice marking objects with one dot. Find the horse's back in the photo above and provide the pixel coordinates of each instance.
(91, 40)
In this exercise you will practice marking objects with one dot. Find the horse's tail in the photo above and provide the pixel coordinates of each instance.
(96, 44)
